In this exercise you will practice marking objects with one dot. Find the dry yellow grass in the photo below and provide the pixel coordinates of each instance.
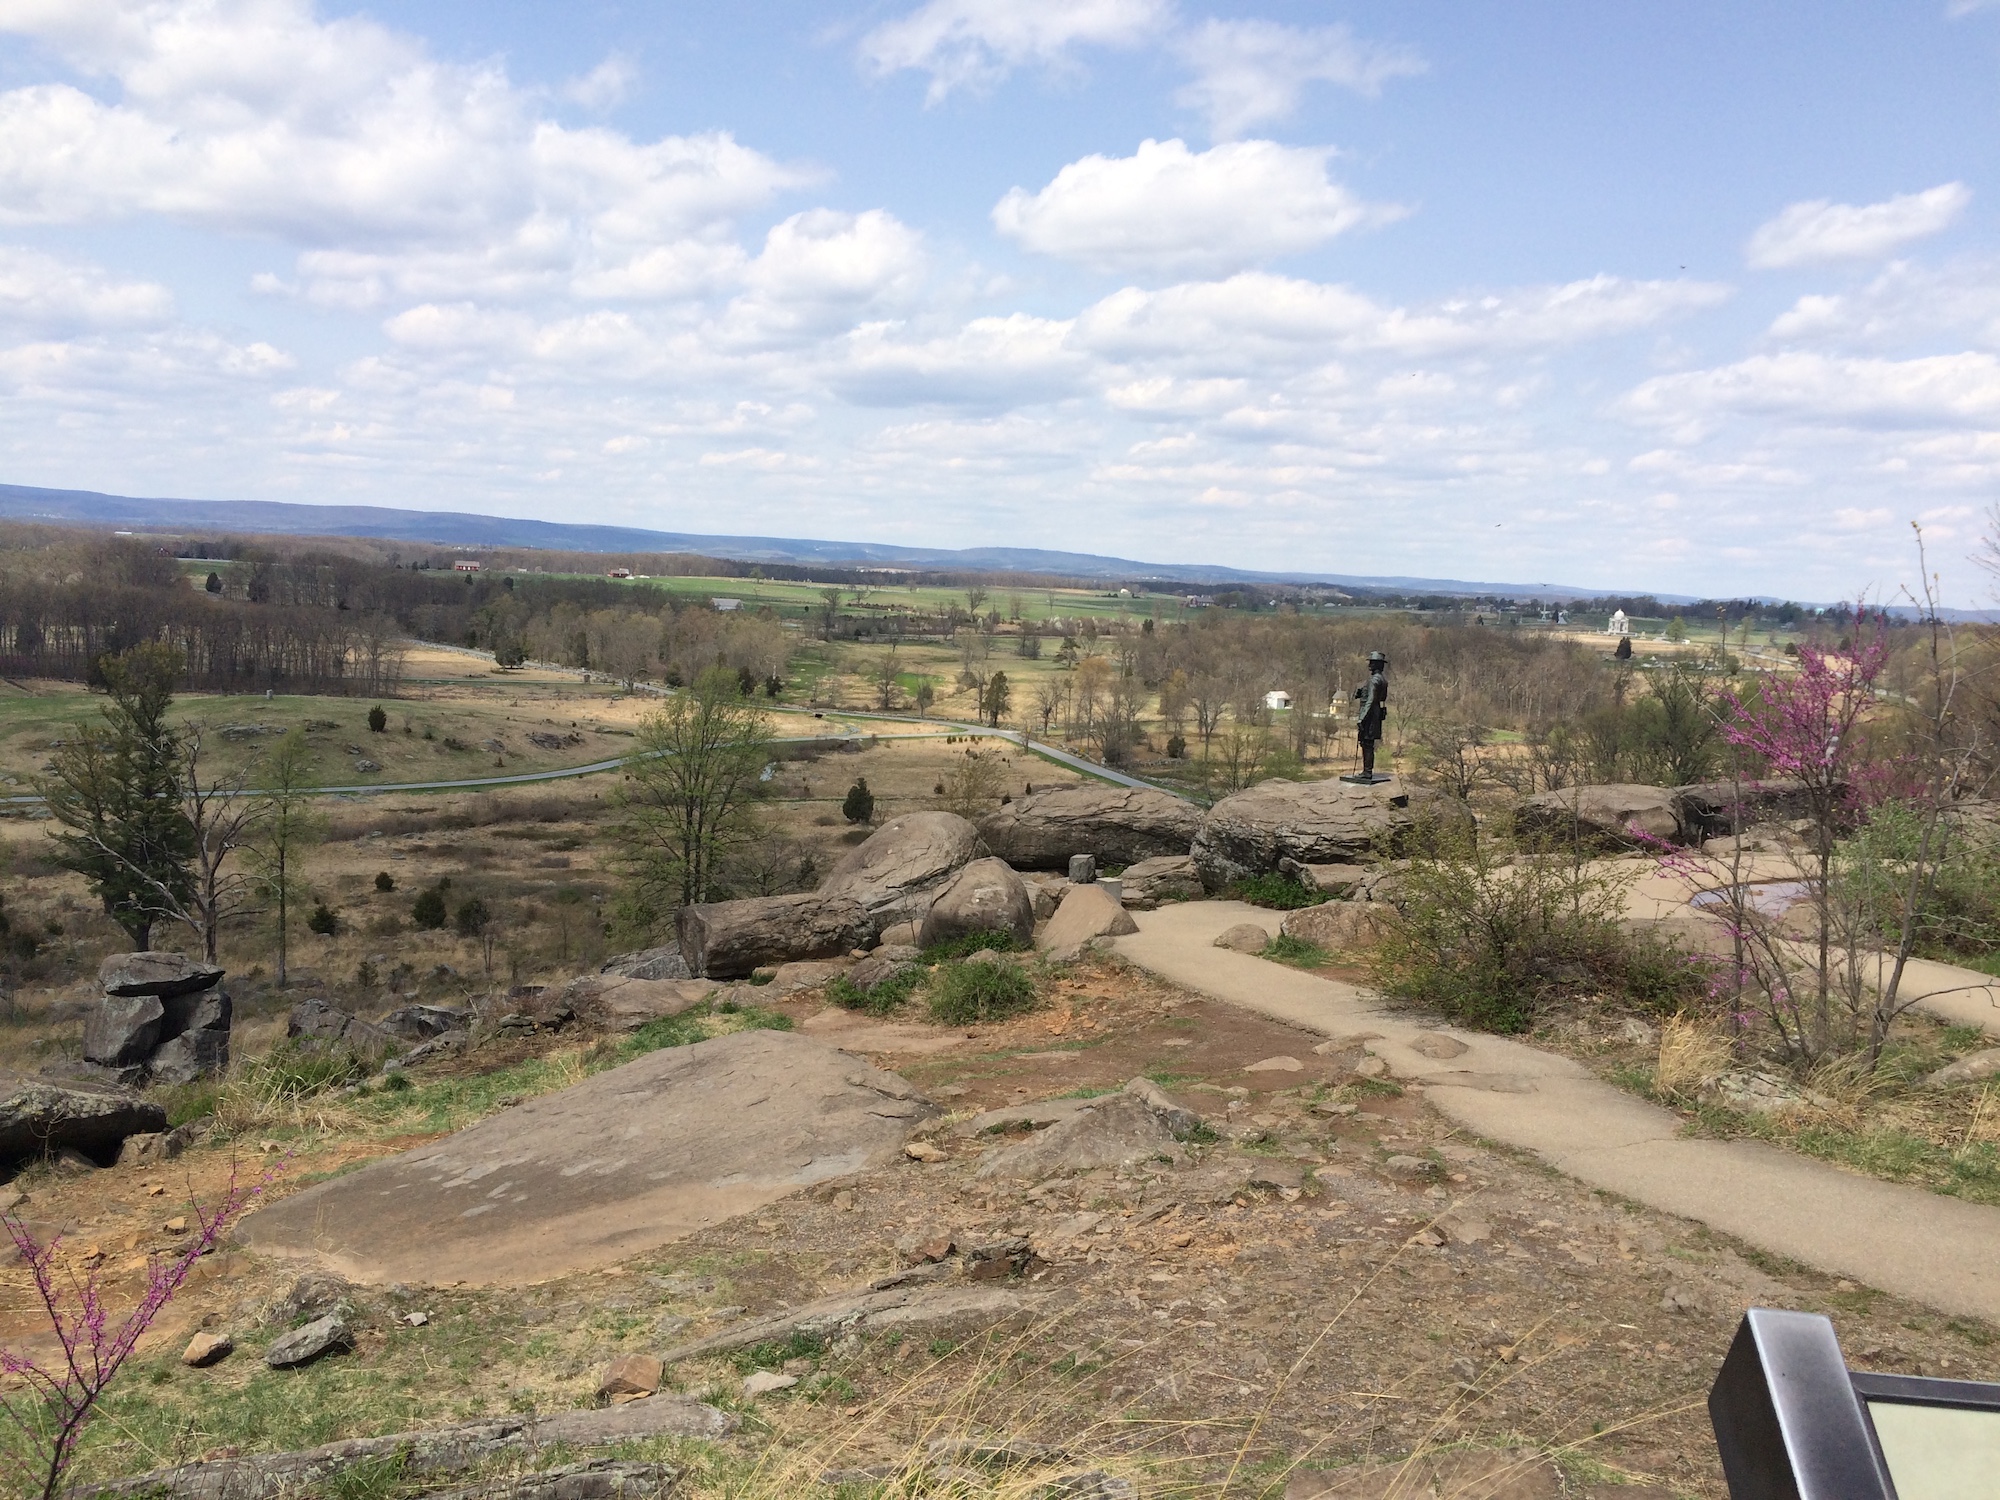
(1691, 1054)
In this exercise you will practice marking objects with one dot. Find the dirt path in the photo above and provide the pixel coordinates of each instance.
(1904, 1240)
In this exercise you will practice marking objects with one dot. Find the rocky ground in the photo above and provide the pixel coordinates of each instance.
(1321, 1277)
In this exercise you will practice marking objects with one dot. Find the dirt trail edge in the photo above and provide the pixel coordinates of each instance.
(1903, 1240)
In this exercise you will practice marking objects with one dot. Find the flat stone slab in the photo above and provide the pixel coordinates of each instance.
(617, 1165)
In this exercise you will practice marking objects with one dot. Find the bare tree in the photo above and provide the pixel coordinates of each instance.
(287, 824)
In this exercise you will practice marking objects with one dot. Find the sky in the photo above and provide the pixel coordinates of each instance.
(1701, 298)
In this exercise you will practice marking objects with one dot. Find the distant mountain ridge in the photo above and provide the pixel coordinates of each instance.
(464, 529)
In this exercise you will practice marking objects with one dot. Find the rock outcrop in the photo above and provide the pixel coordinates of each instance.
(985, 896)
(649, 963)
(45, 1116)
(1716, 809)
(1339, 926)
(731, 939)
(1171, 877)
(1312, 823)
(1119, 825)
(894, 874)
(163, 1018)
(1608, 817)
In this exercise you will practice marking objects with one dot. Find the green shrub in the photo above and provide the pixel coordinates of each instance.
(962, 993)
(1297, 952)
(378, 720)
(972, 942)
(427, 911)
(322, 920)
(472, 918)
(384, 881)
(885, 999)
(288, 1073)
(1490, 937)
(1278, 892)
(859, 805)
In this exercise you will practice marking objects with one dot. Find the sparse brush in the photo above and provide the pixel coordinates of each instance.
(962, 993)
(1691, 1054)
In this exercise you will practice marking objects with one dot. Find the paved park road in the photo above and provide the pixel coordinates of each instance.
(1916, 1244)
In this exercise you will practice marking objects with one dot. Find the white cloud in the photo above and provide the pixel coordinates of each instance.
(42, 293)
(254, 116)
(604, 86)
(1166, 209)
(821, 270)
(1824, 390)
(1905, 301)
(1005, 361)
(964, 43)
(1821, 231)
(1251, 72)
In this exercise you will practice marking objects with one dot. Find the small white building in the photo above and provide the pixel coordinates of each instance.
(1618, 624)
(1277, 698)
(726, 603)
(465, 565)
(619, 573)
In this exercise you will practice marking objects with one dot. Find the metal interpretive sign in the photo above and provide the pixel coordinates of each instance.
(1792, 1422)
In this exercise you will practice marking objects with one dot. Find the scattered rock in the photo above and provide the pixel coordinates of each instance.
(925, 1246)
(732, 939)
(607, 1169)
(312, 1295)
(885, 964)
(316, 1025)
(1339, 926)
(1276, 1176)
(1682, 1299)
(328, 1335)
(206, 1349)
(763, 1382)
(648, 963)
(1179, 1121)
(1087, 912)
(1974, 1067)
(1111, 1131)
(1600, 817)
(896, 870)
(926, 1151)
(1244, 937)
(1279, 1064)
(1169, 877)
(1437, 1046)
(630, 1376)
(364, 766)
(1336, 882)
(1311, 823)
(1410, 1166)
(593, 1479)
(41, 1116)
(1119, 825)
(1638, 1033)
(996, 1260)
(1461, 1228)
(907, 1307)
(1715, 809)
(419, 1023)
(985, 896)
(1752, 1093)
(126, 975)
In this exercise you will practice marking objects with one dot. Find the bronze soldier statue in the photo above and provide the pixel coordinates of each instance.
(1374, 700)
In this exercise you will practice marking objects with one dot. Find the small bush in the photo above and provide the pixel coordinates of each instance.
(427, 911)
(1176, 747)
(1296, 952)
(969, 943)
(1275, 891)
(885, 999)
(323, 920)
(859, 806)
(962, 993)
(384, 881)
(472, 918)
(378, 720)
(288, 1074)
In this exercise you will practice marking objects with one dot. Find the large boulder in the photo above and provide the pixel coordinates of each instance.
(1339, 926)
(189, 1056)
(730, 939)
(314, 1025)
(1716, 809)
(42, 1116)
(896, 871)
(153, 973)
(1254, 832)
(1121, 825)
(606, 1170)
(985, 896)
(123, 1030)
(1087, 912)
(1619, 815)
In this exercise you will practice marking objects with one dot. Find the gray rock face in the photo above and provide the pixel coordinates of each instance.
(123, 1030)
(1715, 809)
(649, 963)
(43, 1116)
(1120, 825)
(1171, 877)
(1338, 926)
(315, 1024)
(985, 896)
(1115, 1130)
(155, 973)
(894, 874)
(189, 1056)
(419, 1023)
(730, 939)
(1601, 817)
(886, 963)
(304, 1345)
(1314, 823)
(613, 1167)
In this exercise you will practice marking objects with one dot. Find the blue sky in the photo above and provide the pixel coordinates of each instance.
(1701, 297)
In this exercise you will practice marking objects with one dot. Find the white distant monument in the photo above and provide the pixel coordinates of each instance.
(1619, 625)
